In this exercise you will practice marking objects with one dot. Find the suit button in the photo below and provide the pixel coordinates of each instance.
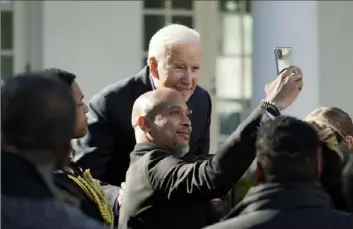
(194, 158)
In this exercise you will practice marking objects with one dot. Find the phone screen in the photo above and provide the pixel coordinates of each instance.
(283, 58)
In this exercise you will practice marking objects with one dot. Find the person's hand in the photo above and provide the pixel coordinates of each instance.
(222, 205)
(285, 88)
(121, 193)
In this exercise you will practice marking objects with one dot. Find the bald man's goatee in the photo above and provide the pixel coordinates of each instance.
(182, 151)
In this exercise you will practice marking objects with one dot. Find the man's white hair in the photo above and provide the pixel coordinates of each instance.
(168, 35)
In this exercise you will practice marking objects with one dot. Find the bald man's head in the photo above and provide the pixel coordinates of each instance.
(149, 103)
(161, 116)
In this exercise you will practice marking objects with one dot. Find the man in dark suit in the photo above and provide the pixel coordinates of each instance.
(174, 62)
(288, 194)
(164, 191)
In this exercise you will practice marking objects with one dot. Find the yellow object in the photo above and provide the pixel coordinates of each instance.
(94, 191)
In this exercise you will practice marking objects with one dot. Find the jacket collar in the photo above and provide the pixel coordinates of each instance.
(144, 77)
(283, 197)
(21, 178)
(142, 148)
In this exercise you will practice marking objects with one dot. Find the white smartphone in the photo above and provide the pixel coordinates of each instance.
(283, 58)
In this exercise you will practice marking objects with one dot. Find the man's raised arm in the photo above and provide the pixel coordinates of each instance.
(211, 178)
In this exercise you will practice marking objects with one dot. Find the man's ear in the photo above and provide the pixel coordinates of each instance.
(144, 123)
(319, 161)
(349, 141)
(152, 61)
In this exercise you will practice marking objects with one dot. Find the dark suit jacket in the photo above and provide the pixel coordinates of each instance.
(110, 139)
(166, 192)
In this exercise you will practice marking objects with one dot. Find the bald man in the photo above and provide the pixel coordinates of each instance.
(174, 133)
(164, 191)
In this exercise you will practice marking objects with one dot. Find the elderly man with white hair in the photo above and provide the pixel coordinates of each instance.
(174, 61)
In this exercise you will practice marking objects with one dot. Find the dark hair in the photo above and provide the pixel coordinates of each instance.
(287, 151)
(37, 115)
(64, 76)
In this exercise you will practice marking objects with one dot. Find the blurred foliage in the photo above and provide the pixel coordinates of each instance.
(243, 185)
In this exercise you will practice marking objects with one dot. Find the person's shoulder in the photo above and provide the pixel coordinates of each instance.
(200, 99)
(201, 93)
(157, 154)
(116, 90)
(161, 159)
(117, 97)
(148, 157)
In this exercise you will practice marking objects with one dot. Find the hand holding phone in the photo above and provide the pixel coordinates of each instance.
(283, 58)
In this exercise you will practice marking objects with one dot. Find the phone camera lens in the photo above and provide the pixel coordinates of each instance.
(279, 54)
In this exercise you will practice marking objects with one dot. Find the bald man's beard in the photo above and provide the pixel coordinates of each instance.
(181, 150)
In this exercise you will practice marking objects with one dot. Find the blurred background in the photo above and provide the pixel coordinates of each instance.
(103, 41)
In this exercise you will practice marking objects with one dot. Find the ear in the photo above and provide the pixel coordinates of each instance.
(259, 175)
(319, 161)
(152, 61)
(144, 123)
(349, 141)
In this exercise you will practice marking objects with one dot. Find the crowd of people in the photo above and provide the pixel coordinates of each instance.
(137, 157)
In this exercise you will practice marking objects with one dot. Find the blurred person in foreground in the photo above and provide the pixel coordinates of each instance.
(174, 61)
(77, 186)
(335, 129)
(288, 194)
(37, 123)
(164, 191)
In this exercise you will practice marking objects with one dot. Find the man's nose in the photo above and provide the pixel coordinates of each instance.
(85, 108)
(187, 122)
(187, 78)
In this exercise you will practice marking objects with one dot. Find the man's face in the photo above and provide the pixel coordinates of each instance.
(81, 110)
(179, 69)
(171, 127)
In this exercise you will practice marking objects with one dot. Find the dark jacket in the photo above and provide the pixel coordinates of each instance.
(29, 200)
(165, 192)
(83, 202)
(291, 206)
(110, 139)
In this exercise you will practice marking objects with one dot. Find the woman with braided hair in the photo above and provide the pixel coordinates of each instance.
(335, 130)
(78, 187)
